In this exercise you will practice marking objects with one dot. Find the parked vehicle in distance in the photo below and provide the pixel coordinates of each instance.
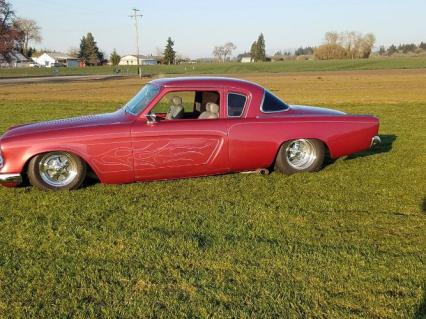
(34, 65)
(179, 128)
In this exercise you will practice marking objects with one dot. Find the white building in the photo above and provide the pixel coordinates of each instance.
(15, 59)
(143, 60)
(246, 59)
(56, 59)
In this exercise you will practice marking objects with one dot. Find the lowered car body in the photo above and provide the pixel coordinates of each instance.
(230, 126)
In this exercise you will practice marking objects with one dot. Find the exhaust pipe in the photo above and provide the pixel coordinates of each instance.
(260, 171)
(263, 171)
(376, 140)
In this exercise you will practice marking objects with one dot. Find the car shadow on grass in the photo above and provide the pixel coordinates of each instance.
(384, 147)
(421, 311)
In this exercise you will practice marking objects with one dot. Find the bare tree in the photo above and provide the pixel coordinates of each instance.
(228, 48)
(31, 31)
(224, 52)
(10, 37)
(219, 53)
(73, 51)
(345, 45)
(332, 38)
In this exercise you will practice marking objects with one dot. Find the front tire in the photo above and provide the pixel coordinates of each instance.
(303, 155)
(56, 171)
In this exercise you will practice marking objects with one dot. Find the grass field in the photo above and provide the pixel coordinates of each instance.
(234, 68)
(347, 242)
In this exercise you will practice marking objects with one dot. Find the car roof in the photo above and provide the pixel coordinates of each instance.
(205, 81)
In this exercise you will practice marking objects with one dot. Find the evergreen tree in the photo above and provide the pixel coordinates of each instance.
(89, 51)
(169, 52)
(115, 58)
(392, 49)
(422, 46)
(258, 51)
(261, 48)
(253, 51)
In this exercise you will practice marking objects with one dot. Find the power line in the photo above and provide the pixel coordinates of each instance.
(136, 16)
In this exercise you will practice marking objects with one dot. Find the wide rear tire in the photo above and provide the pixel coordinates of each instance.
(303, 155)
(56, 171)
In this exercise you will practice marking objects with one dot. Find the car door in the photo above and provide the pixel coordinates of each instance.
(179, 148)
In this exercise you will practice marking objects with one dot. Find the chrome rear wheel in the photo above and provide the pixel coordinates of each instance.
(300, 154)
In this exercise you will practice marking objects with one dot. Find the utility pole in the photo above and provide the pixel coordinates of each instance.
(135, 16)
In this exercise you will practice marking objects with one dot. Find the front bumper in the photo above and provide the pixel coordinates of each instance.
(376, 140)
(10, 179)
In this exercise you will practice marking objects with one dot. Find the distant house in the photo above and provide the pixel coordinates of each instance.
(57, 59)
(143, 60)
(14, 59)
(246, 59)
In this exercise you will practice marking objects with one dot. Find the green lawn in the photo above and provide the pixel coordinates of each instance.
(233, 68)
(348, 242)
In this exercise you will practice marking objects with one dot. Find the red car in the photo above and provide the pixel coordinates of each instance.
(178, 128)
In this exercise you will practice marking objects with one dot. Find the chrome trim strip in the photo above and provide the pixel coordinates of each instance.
(375, 141)
(10, 178)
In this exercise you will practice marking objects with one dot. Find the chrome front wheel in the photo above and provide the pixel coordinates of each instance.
(56, 171)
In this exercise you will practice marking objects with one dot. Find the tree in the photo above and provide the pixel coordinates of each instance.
(330, 51)
(219, 53)
(422, 46)
(332, 38)
(365, 46)
(253, 51)
(10, 36)
(115, 58)
(224, 52)
(345, 45)
(304, 51)
(392, 50)
(258, 50)
(261, 48)
(228, 48)
(89, 51)
(169, 52)
(31, 31)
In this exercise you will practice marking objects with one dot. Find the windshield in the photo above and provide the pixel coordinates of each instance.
(141, 100)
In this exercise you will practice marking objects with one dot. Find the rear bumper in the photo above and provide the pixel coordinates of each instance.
(375, 141)
(10, 180)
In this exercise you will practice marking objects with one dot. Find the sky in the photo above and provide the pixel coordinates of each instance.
(198, 26)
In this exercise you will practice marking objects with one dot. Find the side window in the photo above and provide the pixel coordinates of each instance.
(272, 104)
(183, 98)
(236, 104)
(188, 105)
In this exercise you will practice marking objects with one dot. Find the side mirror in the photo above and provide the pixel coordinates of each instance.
(151, 118)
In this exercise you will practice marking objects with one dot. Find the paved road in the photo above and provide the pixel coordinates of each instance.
(68, 78)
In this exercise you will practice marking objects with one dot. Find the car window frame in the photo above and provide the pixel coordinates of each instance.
(244, 107)
(170, 89)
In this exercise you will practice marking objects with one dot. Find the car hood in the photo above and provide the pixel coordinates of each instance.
(310, 110)
(77, 122)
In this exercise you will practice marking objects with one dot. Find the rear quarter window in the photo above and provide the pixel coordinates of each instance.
(236, 104)
(272, 104)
